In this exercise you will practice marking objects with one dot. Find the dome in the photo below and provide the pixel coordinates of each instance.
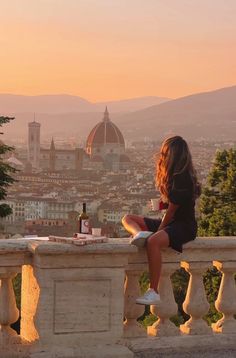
(105, 132)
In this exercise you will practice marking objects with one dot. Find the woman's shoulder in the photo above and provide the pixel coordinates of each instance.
(182, 181)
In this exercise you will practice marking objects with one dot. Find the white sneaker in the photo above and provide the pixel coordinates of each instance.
(150, 297)
(140, 238)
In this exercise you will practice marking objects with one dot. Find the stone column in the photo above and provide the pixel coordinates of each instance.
(167, 306)
(9, 313)
(132, 311)
(226, 301)
(195, 304)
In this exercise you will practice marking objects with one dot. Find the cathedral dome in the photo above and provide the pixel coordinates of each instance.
(105, 132)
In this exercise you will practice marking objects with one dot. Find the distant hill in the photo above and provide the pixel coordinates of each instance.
(131, 104)
(211, 115)
(59, 104)
(10, 103)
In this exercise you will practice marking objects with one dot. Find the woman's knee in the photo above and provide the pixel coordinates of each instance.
(159, 239)
(153, 240)
(126, 218)
(130, 217)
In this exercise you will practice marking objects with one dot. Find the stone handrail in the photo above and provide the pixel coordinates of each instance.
(73, 300)
(196, 258)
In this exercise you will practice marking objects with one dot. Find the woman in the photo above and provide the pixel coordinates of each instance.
(177, 182)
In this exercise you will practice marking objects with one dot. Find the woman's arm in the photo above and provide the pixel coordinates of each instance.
(167, 218)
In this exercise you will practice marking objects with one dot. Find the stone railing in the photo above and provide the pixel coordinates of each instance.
(74, 304)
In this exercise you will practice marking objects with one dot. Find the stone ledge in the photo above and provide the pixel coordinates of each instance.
(183, 346)
(98, 351)
(113, 246)
(200, 353)
(13, 245)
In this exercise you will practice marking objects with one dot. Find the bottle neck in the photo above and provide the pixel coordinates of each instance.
(84, 207)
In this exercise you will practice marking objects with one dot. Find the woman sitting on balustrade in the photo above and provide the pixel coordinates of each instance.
(177, 182)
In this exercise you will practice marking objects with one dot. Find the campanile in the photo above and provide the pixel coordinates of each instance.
(34, 144)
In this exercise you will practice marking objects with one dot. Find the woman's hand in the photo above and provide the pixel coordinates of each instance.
(167, 218)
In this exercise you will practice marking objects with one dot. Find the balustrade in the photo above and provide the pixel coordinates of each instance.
(168, 307)
(196, 260)
(94, 276)
(132, 311)
(226, 301)
(196, 304)
(9, 313)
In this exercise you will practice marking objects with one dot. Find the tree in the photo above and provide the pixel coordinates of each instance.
(218, 200)
(217, 215)
(5, 172)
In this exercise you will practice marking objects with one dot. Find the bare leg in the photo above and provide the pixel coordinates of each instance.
(155, 243)
(134, 223)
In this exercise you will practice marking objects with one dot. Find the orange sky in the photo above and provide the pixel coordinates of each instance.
(113, 49)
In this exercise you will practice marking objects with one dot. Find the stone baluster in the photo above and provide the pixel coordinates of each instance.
(132, 311)
(167, 306)
(8, 310)
(226, 301)
(195, 304)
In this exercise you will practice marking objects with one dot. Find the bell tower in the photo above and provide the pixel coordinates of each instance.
(34, 144)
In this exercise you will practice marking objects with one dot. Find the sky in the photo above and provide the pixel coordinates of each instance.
(115, 49)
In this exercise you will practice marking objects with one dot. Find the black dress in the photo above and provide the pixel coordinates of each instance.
(183, 227)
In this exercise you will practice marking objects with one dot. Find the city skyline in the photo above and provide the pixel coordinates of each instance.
(110, 50)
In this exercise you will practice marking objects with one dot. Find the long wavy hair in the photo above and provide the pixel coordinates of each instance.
(174, 158)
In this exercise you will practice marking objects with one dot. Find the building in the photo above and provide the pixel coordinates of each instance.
(105, 150)
(53, 159)
(105, 146)
(34, 144)
(111, 212)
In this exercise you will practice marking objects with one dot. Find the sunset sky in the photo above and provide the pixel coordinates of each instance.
(114, 49)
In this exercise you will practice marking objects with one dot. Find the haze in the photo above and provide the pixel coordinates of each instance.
(108, 49)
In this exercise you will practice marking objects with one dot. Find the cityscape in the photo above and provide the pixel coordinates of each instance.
(118, 179)
(112, 178)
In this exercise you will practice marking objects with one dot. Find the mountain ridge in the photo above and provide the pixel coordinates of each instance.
(64, 103)
(205, 114)
(210, 115)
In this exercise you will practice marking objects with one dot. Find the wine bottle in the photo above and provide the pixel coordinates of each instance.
(84, 221)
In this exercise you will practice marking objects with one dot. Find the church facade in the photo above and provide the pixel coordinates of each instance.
(51, 159)
(105, 150)
(61, 159)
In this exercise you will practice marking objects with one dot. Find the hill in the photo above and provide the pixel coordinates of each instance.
(60, 104)
(211, 115)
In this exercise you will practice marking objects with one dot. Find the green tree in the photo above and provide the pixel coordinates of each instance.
(218, 200)
(6, 172)
(217, 215)
(6, 179)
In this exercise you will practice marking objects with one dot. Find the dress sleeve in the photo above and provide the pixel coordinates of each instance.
(181, 191)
